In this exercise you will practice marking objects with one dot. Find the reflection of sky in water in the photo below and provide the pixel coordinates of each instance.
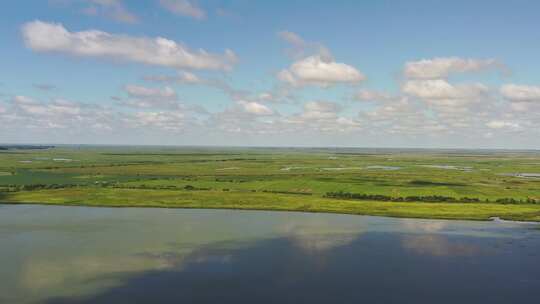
(49, 252)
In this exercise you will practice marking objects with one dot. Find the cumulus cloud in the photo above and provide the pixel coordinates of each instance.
(148, 97)
(183, 77)
(184, 8)
(520, 106)
(401, 117)
(30, 106)
(245, 117)
(320, 109)
(444, 66)
(187, 77)
(401, 110)
(372, 95)
(320, 116)
(54, 37)
(70, 117)
(453, 107)
(28, 113)
(254, 119)
(300, 47)
(316, 70)
(520, 93)
(113, 9)
(166, 121)
(255, 108)
(277, 94)
(167, 93)
(441, 92)
(500, 124)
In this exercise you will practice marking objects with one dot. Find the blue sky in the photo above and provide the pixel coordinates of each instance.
(301, 73)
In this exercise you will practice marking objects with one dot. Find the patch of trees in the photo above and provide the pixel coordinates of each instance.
(193, 188)
(25, 147)
(225, 180)
(217, 160)
(164, 187)
(170, 154)
(287, 192)
(426, 198)
(431, 183)
(31, 187)
(517, 201)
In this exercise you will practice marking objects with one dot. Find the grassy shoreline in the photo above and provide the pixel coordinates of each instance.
(469, 185)
(107, 197)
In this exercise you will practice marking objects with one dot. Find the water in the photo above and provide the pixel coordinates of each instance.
(525, 175)
(102, 255)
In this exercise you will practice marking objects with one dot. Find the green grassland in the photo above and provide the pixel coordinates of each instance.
(277, 179)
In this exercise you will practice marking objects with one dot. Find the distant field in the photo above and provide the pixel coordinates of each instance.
(473, 184)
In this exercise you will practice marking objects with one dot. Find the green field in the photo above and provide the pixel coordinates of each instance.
(405, 183)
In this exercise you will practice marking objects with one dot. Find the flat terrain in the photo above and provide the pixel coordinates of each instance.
(404, 183)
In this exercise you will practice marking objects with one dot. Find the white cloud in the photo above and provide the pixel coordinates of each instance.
(79, 118)
(520, 106)
(26, 112)
(187, 77)
(440, 92)
(299, 47)
(58, 107)
(255, 108)
(315, 117)
(146, 97)
(65, 107)
(442, 67)
(30, 106)
(23, 100)
(500, 124)
(401, 117)
(320, 109)
(53, 37)
(320, 116)
(184, 8)
(372, 95)
(183, 77)
(453, 107)
(292, 38)
(520, 93)
(135, 91)
(113, 9)
(316, 70)
(167, 121)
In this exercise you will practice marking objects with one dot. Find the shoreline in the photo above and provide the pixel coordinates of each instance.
(494, 219)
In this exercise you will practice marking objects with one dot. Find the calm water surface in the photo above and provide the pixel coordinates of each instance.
(100, 255)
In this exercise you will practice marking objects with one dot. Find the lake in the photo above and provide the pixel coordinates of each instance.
(53, 254)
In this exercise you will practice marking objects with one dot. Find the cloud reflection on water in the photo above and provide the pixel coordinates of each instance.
(104, 251)
(437, 245)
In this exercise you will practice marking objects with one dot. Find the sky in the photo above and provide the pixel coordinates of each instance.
(401, 73)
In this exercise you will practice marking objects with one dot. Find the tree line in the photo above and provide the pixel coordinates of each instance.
(425, 198)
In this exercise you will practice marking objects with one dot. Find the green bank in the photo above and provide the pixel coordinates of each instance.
(271, 201)
(446, 184)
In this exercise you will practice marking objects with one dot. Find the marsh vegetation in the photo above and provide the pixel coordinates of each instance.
(403, 183)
